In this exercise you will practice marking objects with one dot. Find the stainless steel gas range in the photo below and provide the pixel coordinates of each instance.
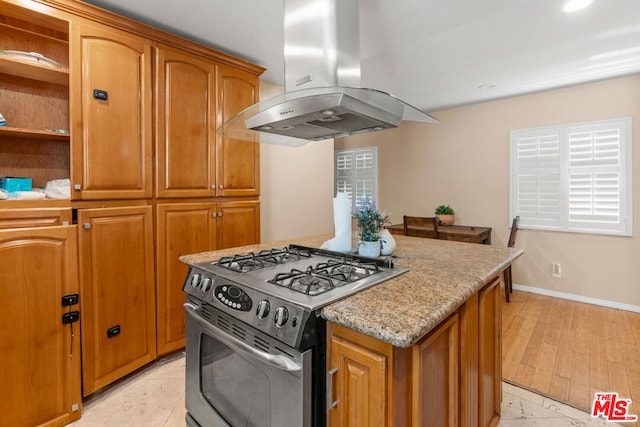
(255, 350)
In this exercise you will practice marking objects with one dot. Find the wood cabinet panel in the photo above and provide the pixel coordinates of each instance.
(238, 162)
(359, 385)
(182, 228)
(450, 377)
(111, 138)
(490, 364)
(43, 217)
(185, 124)
(40, 356)
(187, 228)
(117, 283)
(238, 224)
(435, 377)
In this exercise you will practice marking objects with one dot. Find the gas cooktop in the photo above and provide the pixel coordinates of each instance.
(278, 290)
(305, 276)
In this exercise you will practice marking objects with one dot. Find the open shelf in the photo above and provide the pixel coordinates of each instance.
(33, 71)
(33, 134)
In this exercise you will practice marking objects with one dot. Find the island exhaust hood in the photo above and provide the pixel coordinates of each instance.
(322, 98)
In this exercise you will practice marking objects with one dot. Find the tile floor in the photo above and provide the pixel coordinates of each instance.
(154, 397)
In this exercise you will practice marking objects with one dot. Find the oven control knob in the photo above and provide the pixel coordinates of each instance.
(206, 284)
(282, 315)
(263, 309)
(195, 280)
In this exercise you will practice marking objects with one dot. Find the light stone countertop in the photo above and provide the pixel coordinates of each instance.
(442, 276)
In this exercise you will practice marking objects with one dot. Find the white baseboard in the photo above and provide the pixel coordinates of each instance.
(578, 298)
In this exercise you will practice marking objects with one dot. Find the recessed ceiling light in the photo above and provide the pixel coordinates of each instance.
(576, 5)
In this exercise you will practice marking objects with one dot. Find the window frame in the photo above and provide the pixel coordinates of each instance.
(583, 160)
(373, 181)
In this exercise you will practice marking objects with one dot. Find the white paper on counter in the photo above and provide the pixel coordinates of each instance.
(342, 224)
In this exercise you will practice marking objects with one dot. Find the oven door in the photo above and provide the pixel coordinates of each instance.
(237, 376)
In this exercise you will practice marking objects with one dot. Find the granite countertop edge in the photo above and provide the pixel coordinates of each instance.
(415, 326)
(441, 276)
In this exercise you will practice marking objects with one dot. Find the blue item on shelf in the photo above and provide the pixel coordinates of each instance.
(12, 184)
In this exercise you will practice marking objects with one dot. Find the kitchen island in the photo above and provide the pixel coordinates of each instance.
(420, 349)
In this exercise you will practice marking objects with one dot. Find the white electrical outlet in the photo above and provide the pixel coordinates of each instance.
(557, 270)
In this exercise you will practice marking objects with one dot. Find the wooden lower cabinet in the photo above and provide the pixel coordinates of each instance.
(489, 358)
(238, 224)
(117, 292)
(367, 380)
(182, 228)
(40, 356)
(359, 385)
(186, 228)
(435, 377)
(450, 377)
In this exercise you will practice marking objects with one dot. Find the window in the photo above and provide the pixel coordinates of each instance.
(573, 177)
(356, 173)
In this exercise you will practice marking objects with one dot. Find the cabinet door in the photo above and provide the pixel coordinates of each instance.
(182, 228)
(358, 377)
(111, 113)
(435, 377)
(185, 124)
(238, 164)
(40, 372)
(118, 297)
(238, 224)
(490, 355)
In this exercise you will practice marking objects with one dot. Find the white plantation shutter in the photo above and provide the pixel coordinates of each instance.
(538, 191)
(573, 177)
(356, 173)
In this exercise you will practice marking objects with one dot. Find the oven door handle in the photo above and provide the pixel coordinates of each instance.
(276, 361)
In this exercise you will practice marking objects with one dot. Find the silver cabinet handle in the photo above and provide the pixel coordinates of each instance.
(280, 362)
(330, 402)
(220, 187)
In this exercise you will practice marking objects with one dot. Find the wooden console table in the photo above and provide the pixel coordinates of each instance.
(460, 233)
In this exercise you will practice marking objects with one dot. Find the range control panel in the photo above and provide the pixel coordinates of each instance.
(234, 297)
(265, 312)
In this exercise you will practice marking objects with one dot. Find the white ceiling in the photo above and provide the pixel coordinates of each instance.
(433, 54)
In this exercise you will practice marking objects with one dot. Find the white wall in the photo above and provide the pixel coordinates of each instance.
(464, 162)
(296, 186)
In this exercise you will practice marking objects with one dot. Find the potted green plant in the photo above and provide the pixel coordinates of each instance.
(370, 223)
(444, 213)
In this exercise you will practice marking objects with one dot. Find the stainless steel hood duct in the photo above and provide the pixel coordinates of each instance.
(322, 96)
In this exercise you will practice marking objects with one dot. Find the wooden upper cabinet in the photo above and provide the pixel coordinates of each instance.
(185, 124)
(238, 163)
(110, 104)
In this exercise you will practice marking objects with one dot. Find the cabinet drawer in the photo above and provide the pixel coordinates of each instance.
(21, 218)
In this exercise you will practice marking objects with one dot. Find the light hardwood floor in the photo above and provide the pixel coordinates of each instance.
(569, 350)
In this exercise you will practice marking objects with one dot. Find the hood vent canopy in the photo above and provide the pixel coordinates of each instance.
(322, 99)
